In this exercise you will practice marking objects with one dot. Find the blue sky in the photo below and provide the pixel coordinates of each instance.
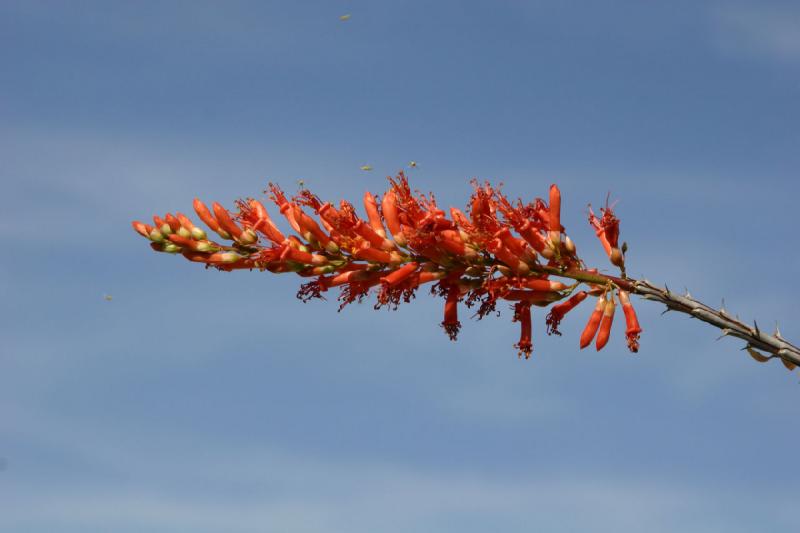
(202, 401)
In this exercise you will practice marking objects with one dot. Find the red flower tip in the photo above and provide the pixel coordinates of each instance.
(141, 228)
(399, 275)
(225, 221)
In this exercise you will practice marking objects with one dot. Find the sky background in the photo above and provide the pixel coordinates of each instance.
(202, 401)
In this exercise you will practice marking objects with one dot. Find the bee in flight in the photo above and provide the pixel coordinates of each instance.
(366, 168)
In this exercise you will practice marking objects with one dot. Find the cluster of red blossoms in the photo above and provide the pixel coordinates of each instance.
(500, 250)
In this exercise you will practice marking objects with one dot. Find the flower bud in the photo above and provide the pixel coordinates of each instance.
(616, 257)
(198, 233)
(205, 246)
(141, 228)
(248, 236)
(183, 232)
(156, 235)
(228, 257)
(569, 246)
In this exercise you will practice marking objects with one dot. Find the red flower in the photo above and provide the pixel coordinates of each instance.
(522, 314)
(632, 328)
(501, 251)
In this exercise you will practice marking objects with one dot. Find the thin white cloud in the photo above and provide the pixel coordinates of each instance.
(761, 29)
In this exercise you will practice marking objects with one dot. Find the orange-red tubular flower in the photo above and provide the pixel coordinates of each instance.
(479, 208)
(522, 314)
(531, 234)
(183, 242)
(607, 230)
(510, 242)
(371, 207)
(506, 256)
(494, 252)
(451, 241)
(142, 228)
(370, 235)
(534, 297)
(554, 220)
(399, 275)
(451, 324)
(161, 225)
(225, 221)
(367, 253)
(557, 312)
(460, 218)
(632, 328)
(209, 220)
(605, 324)
(542, 284)
(349, 277)
(184, 220)
(392, 218)
(594, 322)
(173, 223)
(264, 224)
(293, 254)
(427, 277)
(309, 226)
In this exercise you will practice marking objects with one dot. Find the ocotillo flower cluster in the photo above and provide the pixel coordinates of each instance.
(497, 251)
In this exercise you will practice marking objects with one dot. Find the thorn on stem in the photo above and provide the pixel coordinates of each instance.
(725, 333)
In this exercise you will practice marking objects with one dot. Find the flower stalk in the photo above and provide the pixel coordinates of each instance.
(498, 251)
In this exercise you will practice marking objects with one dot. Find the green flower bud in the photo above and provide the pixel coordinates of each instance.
(248, 236)
(198, 234)
(156, 236)
(206, 247)
(230, 257)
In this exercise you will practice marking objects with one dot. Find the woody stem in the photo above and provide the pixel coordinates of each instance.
(774, 344)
